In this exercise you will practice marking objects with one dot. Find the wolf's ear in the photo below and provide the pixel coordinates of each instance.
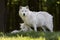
(27, 6)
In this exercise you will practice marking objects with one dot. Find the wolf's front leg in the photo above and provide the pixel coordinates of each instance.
(35, 28)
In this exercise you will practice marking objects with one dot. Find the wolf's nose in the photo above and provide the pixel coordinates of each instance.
(23, 14)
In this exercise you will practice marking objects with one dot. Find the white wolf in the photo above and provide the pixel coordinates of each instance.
(15, 31)
(25, 27)
(36, 19)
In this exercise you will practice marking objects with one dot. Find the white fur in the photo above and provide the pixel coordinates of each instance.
(36, 19)
(15, 31)
(25, 27)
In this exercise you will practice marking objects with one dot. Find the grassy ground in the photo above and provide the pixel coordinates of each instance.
(31, 36)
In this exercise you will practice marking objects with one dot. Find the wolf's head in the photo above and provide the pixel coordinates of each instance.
(23, 11)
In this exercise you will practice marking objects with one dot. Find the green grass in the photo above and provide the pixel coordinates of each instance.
(31, 36)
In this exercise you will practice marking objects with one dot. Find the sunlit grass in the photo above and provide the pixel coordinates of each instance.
(31, 36)
(21, 38)
(58, 38)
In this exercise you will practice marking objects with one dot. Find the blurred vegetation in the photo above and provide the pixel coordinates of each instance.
(51, 6)
(31, 36)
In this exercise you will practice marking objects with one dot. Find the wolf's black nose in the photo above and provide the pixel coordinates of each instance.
(23, 14)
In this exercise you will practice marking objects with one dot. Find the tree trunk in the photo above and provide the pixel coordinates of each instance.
(3, 15)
